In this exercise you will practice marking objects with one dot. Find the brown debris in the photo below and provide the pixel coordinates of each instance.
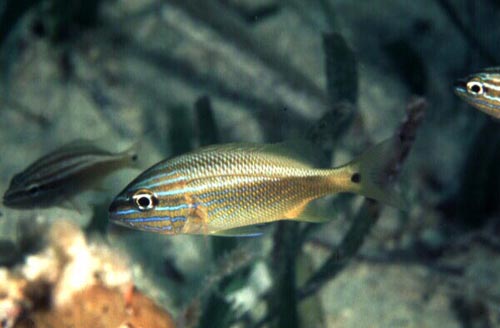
(101, 307)
(73, 282)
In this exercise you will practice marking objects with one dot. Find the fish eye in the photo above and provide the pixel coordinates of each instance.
(33, 189)
(144, 200)
(476, 88)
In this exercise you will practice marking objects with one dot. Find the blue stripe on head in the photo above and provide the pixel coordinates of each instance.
(172, 208)
(165, 208)
(125, 212)
(156, 219)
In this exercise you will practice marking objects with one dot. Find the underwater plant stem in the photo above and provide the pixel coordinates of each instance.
(468, 35)
(205, 121)
(329, 12)
(362, 224)
(341, 69)
(216, 311)
(283, 300)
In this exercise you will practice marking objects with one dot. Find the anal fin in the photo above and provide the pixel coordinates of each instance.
(309, 212)
(246, 231)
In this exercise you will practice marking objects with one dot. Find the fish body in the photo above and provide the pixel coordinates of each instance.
(63, 173)
(482, 90)
(225, 187)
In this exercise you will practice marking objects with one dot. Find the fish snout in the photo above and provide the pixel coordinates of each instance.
(460, 86)
(10, 199)
(115, 209)
(112, 208)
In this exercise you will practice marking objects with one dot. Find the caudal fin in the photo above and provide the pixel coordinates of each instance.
(134, 156)
(370, 174)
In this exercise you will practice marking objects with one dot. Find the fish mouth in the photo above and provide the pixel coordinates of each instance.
(118, 222)
(9, 199)
(460, 86)
(115, 219)
(15, 197)
(113, 210)
(119, 211)
(12, 203)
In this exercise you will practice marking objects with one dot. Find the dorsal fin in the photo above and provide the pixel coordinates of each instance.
(81, 145)
(299, 151)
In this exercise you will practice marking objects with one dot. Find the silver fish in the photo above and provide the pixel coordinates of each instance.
(63, 173)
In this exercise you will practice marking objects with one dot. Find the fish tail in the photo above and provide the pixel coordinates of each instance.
(136, 155)
(368, 175)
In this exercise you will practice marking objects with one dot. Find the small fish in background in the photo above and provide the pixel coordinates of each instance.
(482, 90)
(63, 173)
(228, 189)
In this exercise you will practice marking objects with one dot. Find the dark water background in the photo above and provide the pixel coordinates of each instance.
(177, 75)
